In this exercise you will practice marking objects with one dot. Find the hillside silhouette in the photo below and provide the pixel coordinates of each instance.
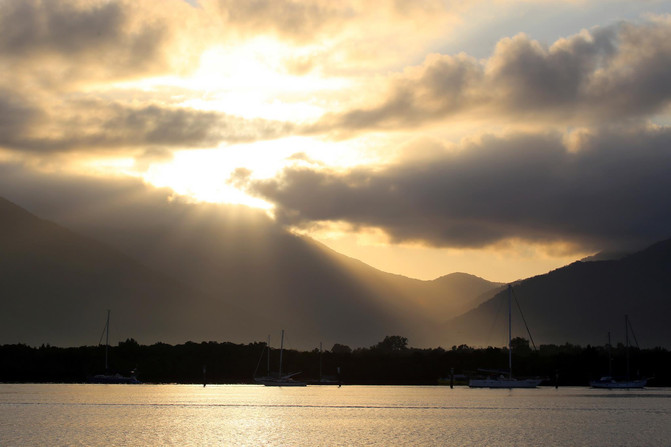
(581, 303)
(195, 273)
(205, 273)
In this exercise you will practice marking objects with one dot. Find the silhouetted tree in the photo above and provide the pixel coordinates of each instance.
(341, 349)
(392, 343)
(520, 346)
(388, 362)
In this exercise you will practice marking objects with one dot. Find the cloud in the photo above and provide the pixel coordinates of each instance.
(296, 20)
(16, 115)
(614, 73)
(114, 202)
(59, 97)
(304, 21)
(97, 125)
(340, 38)
(70, 41)
(610, 189)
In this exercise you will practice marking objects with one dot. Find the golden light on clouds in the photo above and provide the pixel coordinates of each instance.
(206, 174)
(516, 260)
(251, 80)
(417, 133)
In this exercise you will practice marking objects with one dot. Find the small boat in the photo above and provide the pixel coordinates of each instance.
(502, 381)
(325, 380)
(278, 379)
(498, 379)
(114, 378)
(107, 377)
(610, 382)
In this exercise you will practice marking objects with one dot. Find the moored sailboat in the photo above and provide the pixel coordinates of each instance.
(325, 380)
(279, 379)
(107, 377)
(610, 382)
(500, 379)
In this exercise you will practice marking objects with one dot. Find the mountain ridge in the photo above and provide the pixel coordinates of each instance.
(196, 274)
(258, 280)
(51, 277)
(583, 301)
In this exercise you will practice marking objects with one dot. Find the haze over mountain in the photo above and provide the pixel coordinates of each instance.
(179, 272)
(502, 139)
(581, 303)
(191, 272)
(56, 286)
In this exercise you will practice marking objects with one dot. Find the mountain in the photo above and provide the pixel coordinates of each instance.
(56, 286)
(580, 304)
(204, 272)
(474, 290)
(242, 257)
(201, 272)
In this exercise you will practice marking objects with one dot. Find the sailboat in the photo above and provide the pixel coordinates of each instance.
(500, 380)
(610, 382)
(107, 377)
(279, 379)
(326, 380)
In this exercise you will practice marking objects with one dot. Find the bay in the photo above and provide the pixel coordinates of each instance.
(251, 415)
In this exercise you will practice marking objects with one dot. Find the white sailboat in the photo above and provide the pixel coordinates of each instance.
(279, 379)
(500, 380)
(107, 377)
(610, 382)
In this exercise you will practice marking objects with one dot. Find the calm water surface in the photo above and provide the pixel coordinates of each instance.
(250, 415)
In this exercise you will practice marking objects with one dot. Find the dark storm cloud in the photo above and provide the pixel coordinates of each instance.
(610, 190)
(618, 72)
(100, 125)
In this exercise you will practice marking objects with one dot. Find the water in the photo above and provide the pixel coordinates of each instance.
(250, 415)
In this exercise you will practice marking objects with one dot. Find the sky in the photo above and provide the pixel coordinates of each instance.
(499, 138)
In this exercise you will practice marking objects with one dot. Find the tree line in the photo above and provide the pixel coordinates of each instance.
(390, 361)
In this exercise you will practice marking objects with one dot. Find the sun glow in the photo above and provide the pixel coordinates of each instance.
(205, 174)
(250, 80)
(202, 175)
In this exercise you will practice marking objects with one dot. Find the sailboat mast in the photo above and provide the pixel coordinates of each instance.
(107, 337)
(281, 350)
(510, 332)
(268, 359)
(626, 338)
(610, 357)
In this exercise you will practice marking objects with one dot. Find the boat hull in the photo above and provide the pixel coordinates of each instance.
(504, 383)
(114, 379)
(612, 384)
(281, 383)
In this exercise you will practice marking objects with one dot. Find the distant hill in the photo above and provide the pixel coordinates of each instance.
(581, 303)
(296, 283)
(204, 273)
(207, 273)
(56, 286)
(474, 290)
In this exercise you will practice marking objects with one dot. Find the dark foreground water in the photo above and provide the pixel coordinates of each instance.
(249, 415)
